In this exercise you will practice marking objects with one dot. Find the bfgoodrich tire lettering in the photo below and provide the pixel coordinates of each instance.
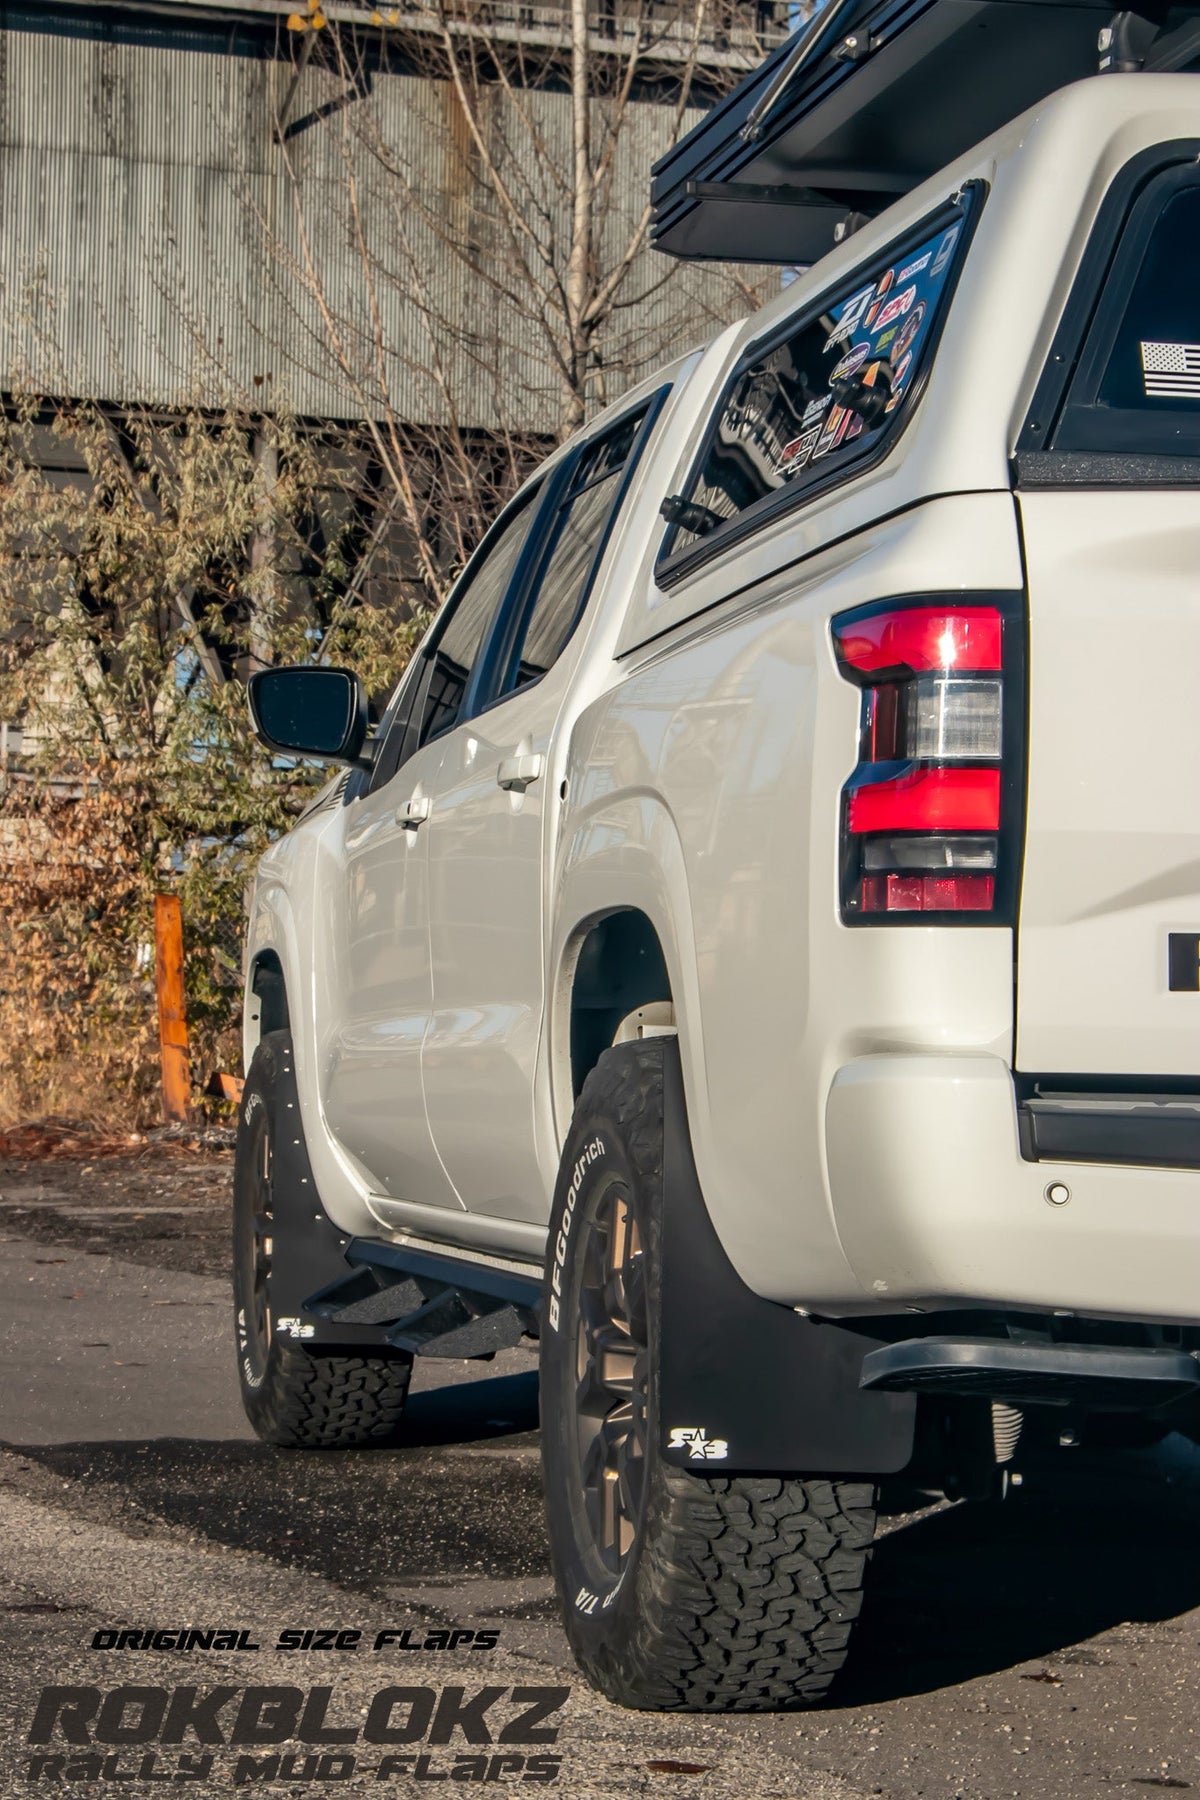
(306, 1400)
(732, 1593)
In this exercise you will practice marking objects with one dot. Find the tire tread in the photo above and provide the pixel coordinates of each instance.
(750, 1584)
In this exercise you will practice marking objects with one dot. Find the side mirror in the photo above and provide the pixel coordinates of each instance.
(311, 711)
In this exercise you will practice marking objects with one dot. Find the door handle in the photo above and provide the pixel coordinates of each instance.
(412, 813)
(517, 772)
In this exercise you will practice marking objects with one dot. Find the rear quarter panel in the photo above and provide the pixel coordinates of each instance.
(705, 787)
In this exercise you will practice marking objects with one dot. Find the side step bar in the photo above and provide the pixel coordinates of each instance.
(431, 1305)
(1093, 1375)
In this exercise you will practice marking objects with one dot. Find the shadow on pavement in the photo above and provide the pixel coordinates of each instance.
(451, 1498)
(470, 1412)
(1087, 1542)
(1090, 1540)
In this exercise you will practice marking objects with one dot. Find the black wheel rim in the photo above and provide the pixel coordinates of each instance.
(258, 1242)
(611, 1368)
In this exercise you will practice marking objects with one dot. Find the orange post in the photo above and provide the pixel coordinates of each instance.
(172, 1021)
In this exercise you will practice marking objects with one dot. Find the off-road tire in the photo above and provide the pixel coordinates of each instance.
(739, 1592)
(306, 1400)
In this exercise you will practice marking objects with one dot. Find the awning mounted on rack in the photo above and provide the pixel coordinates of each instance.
(873, 97)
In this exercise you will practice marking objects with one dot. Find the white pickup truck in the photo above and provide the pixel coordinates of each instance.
(757, 952)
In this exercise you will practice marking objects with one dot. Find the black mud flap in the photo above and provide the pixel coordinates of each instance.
(746, 1385)
(308, 1251)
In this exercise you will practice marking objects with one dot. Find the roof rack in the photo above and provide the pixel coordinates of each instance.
(872, 97)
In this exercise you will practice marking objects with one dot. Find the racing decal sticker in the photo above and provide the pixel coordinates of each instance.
(836, 426)
(798, 452)
(944, 252)
(896, 307)
(1171, 371)
(815, 410)
(825, 442)
(899, 377)
(914, 268)
(853, 359)
(696, 1441)
(883, 287)
(907, 332)
(850, 317)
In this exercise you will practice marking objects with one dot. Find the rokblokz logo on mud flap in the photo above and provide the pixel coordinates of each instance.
(107, 1734)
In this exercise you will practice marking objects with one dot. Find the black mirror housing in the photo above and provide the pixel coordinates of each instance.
(311, 711)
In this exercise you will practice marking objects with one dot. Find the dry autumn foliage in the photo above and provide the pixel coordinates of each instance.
(145, 567)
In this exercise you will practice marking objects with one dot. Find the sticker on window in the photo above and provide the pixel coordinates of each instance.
(1171, 371)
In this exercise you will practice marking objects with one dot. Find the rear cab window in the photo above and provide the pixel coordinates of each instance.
(825, 395)
(1118, 400)
(1139, 383)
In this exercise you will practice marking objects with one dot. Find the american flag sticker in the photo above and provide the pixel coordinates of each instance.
(1172, 370)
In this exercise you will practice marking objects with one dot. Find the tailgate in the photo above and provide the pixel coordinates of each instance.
(1110, 896)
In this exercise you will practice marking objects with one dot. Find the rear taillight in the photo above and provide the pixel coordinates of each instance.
(923, 823)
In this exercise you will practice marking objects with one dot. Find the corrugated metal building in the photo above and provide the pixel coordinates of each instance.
(175, 211)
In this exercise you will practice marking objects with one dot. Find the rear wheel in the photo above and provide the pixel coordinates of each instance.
(714, 1594)
(293, 1396)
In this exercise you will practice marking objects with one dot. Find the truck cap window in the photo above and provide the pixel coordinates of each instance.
(825, 396)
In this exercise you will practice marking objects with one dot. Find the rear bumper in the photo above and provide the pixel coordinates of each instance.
(935, 1206)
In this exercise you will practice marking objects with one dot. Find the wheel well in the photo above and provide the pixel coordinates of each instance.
(619, 968)
(267, 984)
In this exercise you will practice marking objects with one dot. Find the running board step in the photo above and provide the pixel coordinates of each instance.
(430, 1305)
(1094, 1375)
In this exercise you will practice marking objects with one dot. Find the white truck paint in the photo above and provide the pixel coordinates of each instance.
(850, 1090)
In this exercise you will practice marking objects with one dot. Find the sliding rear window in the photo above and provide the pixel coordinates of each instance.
(825, 395)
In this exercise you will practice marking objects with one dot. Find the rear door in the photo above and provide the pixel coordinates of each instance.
(1107, 978)
(380, 1005)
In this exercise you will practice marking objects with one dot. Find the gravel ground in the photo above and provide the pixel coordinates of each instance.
(162, 1204)
(1046, 1649)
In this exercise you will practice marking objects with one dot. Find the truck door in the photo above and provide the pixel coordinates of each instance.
(1107, 978)
(380, 1014)
(494, 810)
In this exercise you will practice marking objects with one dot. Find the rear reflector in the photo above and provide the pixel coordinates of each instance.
(928, 893)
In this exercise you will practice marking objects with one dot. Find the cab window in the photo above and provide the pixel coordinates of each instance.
(575, 539)
(434, 691)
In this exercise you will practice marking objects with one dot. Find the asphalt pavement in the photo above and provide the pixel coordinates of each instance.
(1047, 1649)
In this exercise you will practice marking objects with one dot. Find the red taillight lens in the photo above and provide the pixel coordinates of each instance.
(921, 815)
(925, 799)
(961, 639)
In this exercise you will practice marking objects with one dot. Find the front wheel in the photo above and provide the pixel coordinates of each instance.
(292, 1396)
(679, 1592)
